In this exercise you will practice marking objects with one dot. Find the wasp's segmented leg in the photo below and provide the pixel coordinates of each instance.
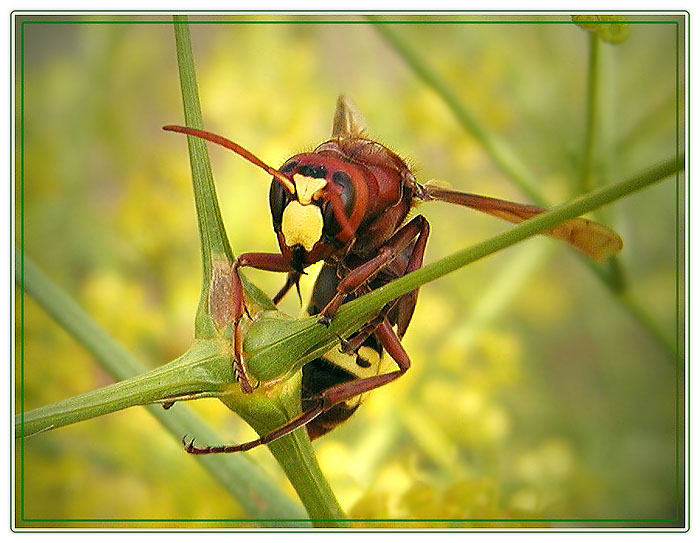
(329, 397)
(303, 419)
(407, 303)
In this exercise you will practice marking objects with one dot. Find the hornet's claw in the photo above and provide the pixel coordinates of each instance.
(346, 346)
(189, 447)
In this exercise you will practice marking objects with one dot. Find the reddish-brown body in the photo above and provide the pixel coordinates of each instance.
(383, 192)
(346, 203)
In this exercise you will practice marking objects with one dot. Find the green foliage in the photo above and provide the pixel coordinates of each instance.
(532, 394)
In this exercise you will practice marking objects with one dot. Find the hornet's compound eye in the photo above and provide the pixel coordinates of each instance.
(347, 194)
(331, 228)
(279, 198)
(280, 195)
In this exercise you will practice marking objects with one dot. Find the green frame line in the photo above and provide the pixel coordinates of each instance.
(330, 21)
(679, 53)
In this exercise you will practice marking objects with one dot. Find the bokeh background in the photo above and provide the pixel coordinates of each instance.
(535, 392)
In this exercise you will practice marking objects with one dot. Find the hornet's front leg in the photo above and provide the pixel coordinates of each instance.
(261, 261)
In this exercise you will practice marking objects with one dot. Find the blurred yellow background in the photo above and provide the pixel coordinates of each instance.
(533, 392)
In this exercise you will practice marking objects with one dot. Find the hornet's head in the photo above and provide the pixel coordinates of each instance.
(317, 199)
(312, 215)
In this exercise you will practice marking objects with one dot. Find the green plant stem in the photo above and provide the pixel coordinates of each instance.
(253, 489)
(306, 339)
(591, 111)
(195, 371)
(294, 453)
(215, 248)
(294, 344)
(613, 274)
(535, 225)
(506, 159)
(215, 243)
(216, 252)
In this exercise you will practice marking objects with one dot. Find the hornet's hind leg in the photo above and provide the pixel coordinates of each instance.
(329, 397)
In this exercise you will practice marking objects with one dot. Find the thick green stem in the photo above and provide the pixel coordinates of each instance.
(295, 455)
(253, 489)
(293, 452)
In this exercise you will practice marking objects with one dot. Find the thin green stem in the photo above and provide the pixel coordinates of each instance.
(535, 225)
(501, 154)
(196, 372)
(215, 248)
(592, 93)
(211, 227)
(613, 273)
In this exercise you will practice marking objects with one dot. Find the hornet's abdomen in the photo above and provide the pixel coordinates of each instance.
(334, 367)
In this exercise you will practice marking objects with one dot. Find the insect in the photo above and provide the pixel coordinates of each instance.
(346, 204)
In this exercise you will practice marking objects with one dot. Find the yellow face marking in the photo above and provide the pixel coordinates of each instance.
(308, 187)
(302, 224)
